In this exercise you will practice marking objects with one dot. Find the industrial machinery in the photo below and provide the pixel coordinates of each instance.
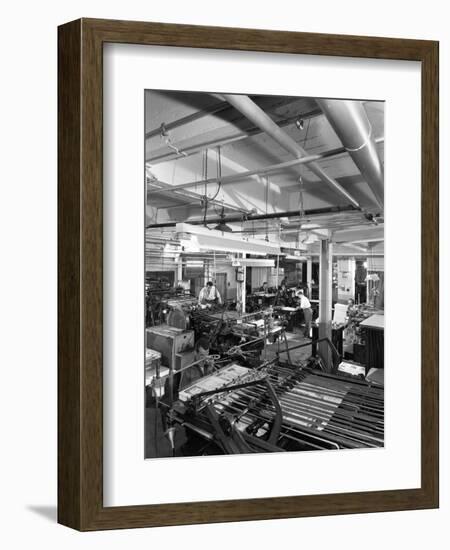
(176, 347)
(161, 298)
(260, 299)
(177, 310)
(228, 329)
(280, 407)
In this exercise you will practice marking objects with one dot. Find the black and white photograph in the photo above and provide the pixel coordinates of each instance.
(264, 274)
(233, 227)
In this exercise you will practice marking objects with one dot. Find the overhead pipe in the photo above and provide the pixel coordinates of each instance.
(210, 110)
(195, 197)
(257, 171)
(255, 114)
(205, 111)
(254, 217)
(153, 180)
(249, 173)
(250, 132)
(350, 122)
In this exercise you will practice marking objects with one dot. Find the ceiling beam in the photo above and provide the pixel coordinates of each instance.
(232, 138)
(258, 171)
(254, 113)
(192, 196)
(211, 110)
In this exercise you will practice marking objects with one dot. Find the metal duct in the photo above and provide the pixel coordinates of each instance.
(256, 115)
(349, 121)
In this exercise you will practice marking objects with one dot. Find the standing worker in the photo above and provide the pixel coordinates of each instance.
(305, 306)
(209, 295)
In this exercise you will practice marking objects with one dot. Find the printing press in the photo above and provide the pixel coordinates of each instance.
(277, 406)
(227, 329)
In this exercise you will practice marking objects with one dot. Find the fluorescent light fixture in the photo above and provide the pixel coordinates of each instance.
(194, 263)
(252, 262)
(296, 258)
(202, 238)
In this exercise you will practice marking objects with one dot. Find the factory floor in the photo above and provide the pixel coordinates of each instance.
(293, 339)
(157, 445)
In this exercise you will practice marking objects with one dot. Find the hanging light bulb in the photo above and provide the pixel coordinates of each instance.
(300, 123)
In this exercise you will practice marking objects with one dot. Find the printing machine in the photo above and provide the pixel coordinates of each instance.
(260, 300)
(176, 349)
(228, 329)
(278, 407)
(245, 336)
(163, 302)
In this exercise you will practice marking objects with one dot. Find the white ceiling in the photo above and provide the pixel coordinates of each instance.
(243, 148)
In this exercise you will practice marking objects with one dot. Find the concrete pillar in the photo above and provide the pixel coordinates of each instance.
(241, 290)
(244, 287)
(179, 271)
(206, 272)
(309, 276)
(325, 298)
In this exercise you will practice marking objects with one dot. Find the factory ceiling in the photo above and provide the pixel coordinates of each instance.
(193, 137)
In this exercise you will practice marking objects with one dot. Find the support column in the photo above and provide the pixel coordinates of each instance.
(309, 276)
(325, 298)
(240, 288)
(244, 287)
(278, 271)
(179, 272)
(206, 272)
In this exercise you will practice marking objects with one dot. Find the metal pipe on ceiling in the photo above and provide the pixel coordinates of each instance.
(258, 171)
(250, 132)
(350, 122)
(167, 188)
(211, 110)
(254, 113)
(294, 230)
(350, 245)
(270, 216)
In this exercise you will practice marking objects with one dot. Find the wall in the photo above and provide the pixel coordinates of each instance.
(230, 272)
(346, 278)
(28, 297)
(268, 275)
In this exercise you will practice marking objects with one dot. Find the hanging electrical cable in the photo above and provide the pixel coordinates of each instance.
(219, 179)
(306, 133)
(205, 173)
(301, 198)
(267, 203)
(205, 177)
(219, 173)
(301, 208)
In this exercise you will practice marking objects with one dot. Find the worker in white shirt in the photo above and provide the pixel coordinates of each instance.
(305, 306)
(209, 295)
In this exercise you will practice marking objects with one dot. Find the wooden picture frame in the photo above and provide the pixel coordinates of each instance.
(80, 272)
